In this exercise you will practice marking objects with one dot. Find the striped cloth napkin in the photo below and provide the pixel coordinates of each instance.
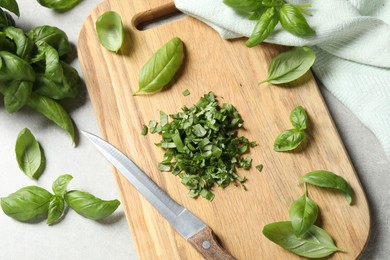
(352, 43)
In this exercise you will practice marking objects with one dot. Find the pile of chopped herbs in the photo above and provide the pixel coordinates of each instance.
(202, 147)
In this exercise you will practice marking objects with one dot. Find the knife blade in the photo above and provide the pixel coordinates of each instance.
(190, 227)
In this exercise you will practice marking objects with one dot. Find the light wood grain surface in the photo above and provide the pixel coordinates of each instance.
(231, 71)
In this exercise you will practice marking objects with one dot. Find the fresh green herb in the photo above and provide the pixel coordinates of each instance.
(290, 139)
(56, 209)
(259, 167)
(10, 5)
(290, 65)
(303, 214)
(268, 13)
(110, 31)
(186, 92)
(59, 5)
(89, 206)
(160, 69)
(60, 184)
(144, 130)
(26, 203)
(29, 154)
(202, 147)
(315, 243)
(328, 179)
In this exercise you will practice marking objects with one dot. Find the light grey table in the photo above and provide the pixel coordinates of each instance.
(79, 238)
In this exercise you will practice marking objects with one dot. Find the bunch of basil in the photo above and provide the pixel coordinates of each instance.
(33, 70)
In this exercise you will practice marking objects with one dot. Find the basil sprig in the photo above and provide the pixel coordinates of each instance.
(160, 69)
(290, 139)
(32, 202)
(299, 235)
(29, 154)
(290, 65)
(269, 13)
(110, 31)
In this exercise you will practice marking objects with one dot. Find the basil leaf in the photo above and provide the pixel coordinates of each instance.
(315, 243)
(161, 67)
(56, 209)
(303, 214)
(264, 27)
(293, 21)
(53, 111)
(16, 94)
(89, 206)
(289, 140)
(259, 167)
(60, 184)
(10, 5)
(6, 44)
(110, 31)
(29, 154)
(59, 5)
(327, 179)
(5, 19)
(244, 5)
(298, 118)
(290, 65)
(26, 203)
(53, 36)
(24, 45)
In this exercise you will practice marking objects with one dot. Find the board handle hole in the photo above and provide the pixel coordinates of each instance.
(156, 17)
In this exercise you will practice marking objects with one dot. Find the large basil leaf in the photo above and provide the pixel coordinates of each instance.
(264, 27)
(303, 214)
(59, 5)
(315, 243)
(327, 179)
(26, 203)
(298, 118)
(47, 57)
(10, 5)
(293, 21)
(16, 94)
(60, 184)
(244, 5)
(15, 68)
(290, 65)
(53, 36)
(53, 111)
(24, 45)
(29, 154)
(56, 209)
(289, 140)
(89, 206)
(161, 67)
(110, 31)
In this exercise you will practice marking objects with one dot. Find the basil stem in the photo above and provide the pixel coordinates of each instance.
(26, 203)
(110, 31)
(326, 179)
(315, 243)
(90, 206)
(160, 69)
(29, 154)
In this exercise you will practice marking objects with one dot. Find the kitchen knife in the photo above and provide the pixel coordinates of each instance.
(194, 230)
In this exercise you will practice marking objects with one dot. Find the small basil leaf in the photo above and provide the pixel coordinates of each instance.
(56, 209)
(59, 5)
(24, 45)
(53, 36)
(298, 118)
(60, 184)
(315, 243)
(244, 5)
(327, 179)
(89, 206)
(29, 154)
(290, 65)
(289, 140)
(26, 203)
(110, 31)
(10, 5)
(293, 21)
(53, 111)
(161, 67)
(303, 214)
(264, 27)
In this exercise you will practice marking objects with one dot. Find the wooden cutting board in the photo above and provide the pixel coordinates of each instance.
(231, 71)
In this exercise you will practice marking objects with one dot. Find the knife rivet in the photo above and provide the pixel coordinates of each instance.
(206, 244)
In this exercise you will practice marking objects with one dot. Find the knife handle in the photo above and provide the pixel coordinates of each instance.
(206, 243)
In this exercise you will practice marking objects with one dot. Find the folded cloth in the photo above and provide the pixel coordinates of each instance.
(352, 43)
